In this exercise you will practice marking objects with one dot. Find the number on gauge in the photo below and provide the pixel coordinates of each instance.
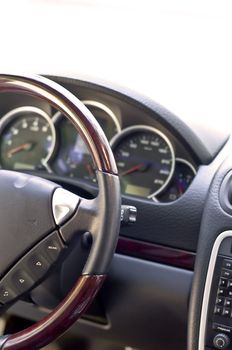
(145, 161)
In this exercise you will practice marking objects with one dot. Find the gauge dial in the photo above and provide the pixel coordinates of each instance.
(145, 160)
(27, 139)
(74, 159)
(182, 178)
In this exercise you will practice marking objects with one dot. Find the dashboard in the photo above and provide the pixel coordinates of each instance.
(165, 171)
(153, 163)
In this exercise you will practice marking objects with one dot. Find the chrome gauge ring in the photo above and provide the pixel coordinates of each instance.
(188, 164)
(102, 108)
(145, 159)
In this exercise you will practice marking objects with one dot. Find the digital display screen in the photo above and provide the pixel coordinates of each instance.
(23, 166)
(137, 190)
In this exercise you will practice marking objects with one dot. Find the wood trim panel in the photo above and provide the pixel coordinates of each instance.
(157, 253)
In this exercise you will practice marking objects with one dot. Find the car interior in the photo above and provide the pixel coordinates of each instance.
(115, 196)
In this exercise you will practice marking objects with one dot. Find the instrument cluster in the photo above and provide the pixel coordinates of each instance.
(33, 140)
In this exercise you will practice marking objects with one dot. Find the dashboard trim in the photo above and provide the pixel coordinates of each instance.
(156, 253)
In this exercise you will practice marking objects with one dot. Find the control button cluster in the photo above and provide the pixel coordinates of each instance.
(31, 268)
(223, 307)
(223, 304)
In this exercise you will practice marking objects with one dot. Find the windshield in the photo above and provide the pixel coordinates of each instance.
(177, 52)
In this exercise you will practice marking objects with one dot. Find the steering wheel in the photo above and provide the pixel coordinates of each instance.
(39, 219)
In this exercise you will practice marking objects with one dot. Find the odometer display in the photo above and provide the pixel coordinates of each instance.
(145, 161)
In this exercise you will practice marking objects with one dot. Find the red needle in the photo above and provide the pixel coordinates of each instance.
(132, 170)
(23, 147)
(180, 188)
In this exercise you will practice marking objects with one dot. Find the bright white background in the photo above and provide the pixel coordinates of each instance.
(178, 52)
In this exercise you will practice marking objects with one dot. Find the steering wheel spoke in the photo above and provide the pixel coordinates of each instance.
(95, 219)
(82, 219)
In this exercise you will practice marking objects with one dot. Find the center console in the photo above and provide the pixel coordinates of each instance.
(218, 322)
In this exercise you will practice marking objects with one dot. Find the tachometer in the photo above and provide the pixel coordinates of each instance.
(27, 139)
(145, 160)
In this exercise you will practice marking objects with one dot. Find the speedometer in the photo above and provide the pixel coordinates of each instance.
(27, 139)
(145, 160)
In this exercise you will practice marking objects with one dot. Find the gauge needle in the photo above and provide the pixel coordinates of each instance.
(137, 167)
(23, 147)
(180, 188)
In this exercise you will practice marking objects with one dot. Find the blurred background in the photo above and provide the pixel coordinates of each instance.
(178, 52)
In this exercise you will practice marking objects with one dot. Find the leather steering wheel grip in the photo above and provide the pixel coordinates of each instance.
(107, 213)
